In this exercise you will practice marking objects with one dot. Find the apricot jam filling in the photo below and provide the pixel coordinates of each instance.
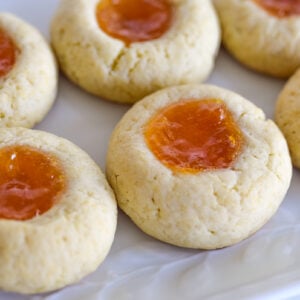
(194, 135)
(280, 8)
(8, 52)
(134, 20)
(30, 182)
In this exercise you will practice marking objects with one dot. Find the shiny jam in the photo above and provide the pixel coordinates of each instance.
(194, 135)
(134, 20)
(7, 53)
(280, 8)
(30, 182)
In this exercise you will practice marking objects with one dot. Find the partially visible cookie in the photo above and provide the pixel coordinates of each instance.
(57, 213)
(119, 62)
(198, 166)
(287, 115)
(262, 34)
(28, 73)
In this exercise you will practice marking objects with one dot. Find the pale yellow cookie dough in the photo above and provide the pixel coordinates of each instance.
(106, 67)
(28, 91)
(71, 239)
(287, 115)
(209, 209)
(259, 40)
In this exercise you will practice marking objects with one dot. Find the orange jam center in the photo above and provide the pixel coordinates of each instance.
(192, 136)
(134, 20)
(7, 53)
(280, 8)
(30, 182)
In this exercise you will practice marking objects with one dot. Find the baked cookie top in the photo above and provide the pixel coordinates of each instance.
(57, 214)
(191, 196)
(262, 34)
(28, 74)
(96, 54)
(287, 116)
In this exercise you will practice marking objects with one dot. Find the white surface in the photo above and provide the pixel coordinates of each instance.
(265, 266)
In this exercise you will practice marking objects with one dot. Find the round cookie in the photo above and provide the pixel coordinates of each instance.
(28, 90)
(111, 68)
(209, 207)
(287, 116)
(46, 251)
(263, 35)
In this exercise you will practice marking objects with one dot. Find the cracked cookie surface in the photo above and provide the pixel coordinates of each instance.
(106, 67)
(209, 209)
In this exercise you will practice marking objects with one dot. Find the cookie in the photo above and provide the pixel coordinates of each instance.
(198, 166)
(117, 61)
(57, 212)
(28, 74)
(287, 116)
(261, 34)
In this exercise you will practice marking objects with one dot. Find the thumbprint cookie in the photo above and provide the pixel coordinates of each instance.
(287, 114)
(57, 212)
(262, 34)
(122, 50)
(28, 74)
(198, 166)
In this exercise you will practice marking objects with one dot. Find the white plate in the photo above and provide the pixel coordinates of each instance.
(265, 266)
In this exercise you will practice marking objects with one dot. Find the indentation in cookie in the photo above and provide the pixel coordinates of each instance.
(192, 136)
(8, 53)
(280, 8)
(30, 182)
(134, 20)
